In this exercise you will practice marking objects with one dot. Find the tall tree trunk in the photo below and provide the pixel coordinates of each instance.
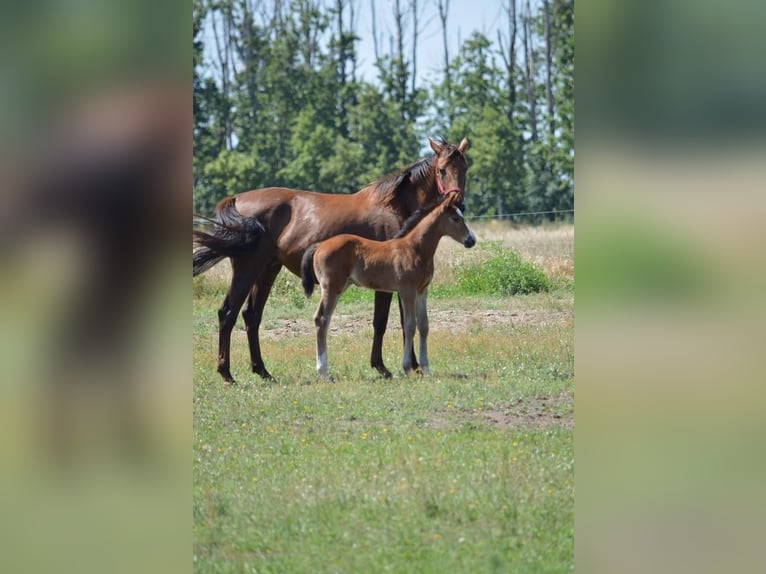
(246, 48)
(352, 31)
(508, 54)
(548, 67)
(443, 7)
(222, 54)
(400, 71)
(414, 5)
(341, 42)
(399, 23)
(530, 73)
(374, 32)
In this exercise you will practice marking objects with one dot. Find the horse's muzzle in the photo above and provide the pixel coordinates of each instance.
(470, 241)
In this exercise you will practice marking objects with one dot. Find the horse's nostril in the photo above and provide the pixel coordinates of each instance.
(469, 242)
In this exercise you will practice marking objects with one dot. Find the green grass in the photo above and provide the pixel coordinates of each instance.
(469, 470)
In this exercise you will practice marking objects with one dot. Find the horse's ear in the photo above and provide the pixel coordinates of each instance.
(435, 146)
(463, 145)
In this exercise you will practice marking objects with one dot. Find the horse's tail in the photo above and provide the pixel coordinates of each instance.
(308, 278)
(232, 234)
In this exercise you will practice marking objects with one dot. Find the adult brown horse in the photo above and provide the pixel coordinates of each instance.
(404, 264)
(265, 229)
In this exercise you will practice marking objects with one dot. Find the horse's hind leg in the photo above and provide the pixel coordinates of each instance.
(242, 279)
(379, 322)
(253, 313)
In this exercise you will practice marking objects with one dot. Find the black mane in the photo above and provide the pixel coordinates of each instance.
(414, 173)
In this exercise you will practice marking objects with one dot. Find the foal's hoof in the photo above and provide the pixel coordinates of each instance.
(417, 370)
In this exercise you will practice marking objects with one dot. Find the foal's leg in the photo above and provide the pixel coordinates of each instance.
(243, 275)
(408, 324)
(253, 314)
(421, 314)
(413, 358)
(322, 322)
(379, 322)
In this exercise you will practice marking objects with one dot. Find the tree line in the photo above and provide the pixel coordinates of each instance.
(279, 100)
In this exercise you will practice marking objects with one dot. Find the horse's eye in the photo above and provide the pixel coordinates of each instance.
(442, 172)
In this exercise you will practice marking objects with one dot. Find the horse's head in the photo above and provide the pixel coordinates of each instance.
(450, 165)
(453, 223)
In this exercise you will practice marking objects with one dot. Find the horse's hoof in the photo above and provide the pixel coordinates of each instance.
(263, 373)
(229, 383)
(383, 371)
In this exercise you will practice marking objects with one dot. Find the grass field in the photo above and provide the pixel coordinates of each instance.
(468, 470)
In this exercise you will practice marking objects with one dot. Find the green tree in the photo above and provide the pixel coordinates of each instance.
(277, 102)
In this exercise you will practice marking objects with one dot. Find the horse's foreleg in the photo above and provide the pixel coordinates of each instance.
(253, 313)
(379, 323)
(413, 358)
(407, 302)
(322, 322)
(241, 281)
(421, 314)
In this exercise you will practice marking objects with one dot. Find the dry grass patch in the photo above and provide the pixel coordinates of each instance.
(550, 247)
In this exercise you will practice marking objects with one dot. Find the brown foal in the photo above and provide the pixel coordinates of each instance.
(404, 265)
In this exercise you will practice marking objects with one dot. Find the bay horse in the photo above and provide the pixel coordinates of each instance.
(404, 264)
(263, 230)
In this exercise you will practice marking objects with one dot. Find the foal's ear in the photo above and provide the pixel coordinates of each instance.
(435, 146)
(463, 145)
(456, 203)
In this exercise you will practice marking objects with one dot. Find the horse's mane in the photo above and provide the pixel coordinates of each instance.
(414, 174)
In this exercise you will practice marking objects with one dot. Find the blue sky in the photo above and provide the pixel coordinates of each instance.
(465, 16)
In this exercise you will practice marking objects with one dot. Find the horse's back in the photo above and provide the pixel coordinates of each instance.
(295, 219)
(255, 202)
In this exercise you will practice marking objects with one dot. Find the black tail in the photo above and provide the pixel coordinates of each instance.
(233, 234)
(307, 270)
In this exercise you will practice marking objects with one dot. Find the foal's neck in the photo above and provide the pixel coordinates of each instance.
(424, 238)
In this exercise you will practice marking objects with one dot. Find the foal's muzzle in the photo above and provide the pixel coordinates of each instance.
(470, 241)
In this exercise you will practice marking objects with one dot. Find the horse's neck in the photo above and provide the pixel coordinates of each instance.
(420, 193)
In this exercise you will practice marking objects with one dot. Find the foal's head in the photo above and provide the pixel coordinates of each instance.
(452, 223)
(450, 165)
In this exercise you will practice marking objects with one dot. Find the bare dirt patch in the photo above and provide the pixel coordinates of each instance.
(524, 413)
(447, 319)
(536, 412)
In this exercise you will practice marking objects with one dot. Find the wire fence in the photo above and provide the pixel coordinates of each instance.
(506, 215)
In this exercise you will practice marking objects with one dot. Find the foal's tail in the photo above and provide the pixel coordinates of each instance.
(233, 234)
(308, 278)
